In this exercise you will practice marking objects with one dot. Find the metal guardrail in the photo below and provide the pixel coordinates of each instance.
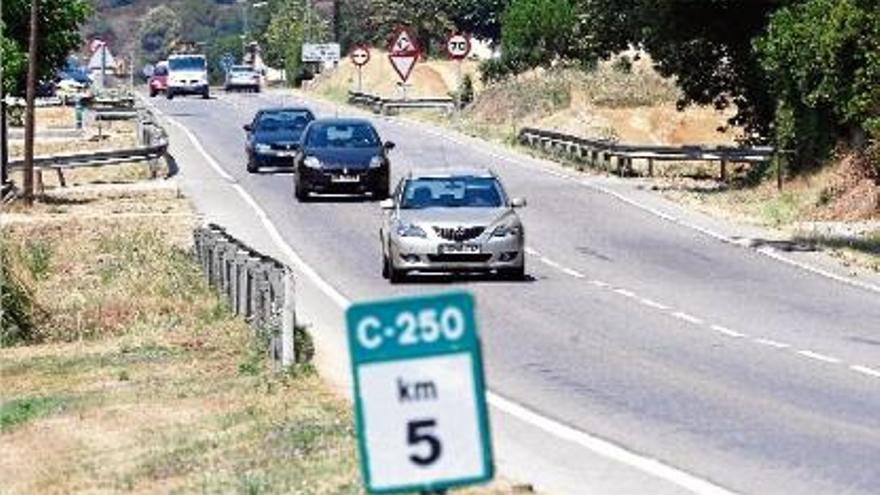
(610, 155)
(155, 146)
(255, 286)
(387, 106)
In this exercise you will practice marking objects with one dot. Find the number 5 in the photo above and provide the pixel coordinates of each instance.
(416, 434)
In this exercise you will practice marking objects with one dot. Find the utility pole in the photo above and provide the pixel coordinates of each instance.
(29, 108)
(4, 148)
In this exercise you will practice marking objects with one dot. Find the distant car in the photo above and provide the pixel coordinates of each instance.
(446, 221)
(242, 77)
(158, 82)
(273, 137)
(342, 156)
(187, 75)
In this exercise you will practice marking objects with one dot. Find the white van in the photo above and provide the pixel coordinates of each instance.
(187, 75)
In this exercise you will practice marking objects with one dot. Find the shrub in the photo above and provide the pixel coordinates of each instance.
(17, 308)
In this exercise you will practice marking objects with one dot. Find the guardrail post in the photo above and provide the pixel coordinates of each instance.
(723, 170)
(650, 167)
(288, 321)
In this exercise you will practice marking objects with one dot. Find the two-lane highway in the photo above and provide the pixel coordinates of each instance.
(750, 373)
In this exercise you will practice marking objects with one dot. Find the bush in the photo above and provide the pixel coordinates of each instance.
(17, 309)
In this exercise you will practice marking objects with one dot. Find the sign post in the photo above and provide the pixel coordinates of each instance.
(420, 404)
(360, 56)
(403, 54)
(458, 46)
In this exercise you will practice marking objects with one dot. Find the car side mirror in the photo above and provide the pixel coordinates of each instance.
(517, 202)
(247, 127)
(389, 145)
(386, 204)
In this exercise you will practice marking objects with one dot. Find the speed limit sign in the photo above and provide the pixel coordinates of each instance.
(420, 402)
(458, 46)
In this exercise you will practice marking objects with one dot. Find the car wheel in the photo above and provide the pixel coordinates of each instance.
(395, 275)
(152, 93)
(252, 167)
(300, 192)
(169, 94)
(386, 268)
(516, 274)
(206, 94)
(381, 193)
(257, 89)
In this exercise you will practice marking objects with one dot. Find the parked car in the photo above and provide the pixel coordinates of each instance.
(242, 77)
(342, 156)
(273, 137)
(187, 75)
(448, 221)
(158, 82)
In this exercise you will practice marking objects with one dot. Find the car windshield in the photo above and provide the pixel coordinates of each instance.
(452, 192)
(187, 63)
(342, 136)
(285, 120)
(241, 69)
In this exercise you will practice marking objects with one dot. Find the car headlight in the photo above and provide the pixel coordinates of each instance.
(376, 162)
(262, 148)
(410, 230)
(507, 230)
(312, 162)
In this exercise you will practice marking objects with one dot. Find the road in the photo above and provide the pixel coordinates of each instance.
(755, 375)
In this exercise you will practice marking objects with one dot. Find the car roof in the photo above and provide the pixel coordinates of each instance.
(341, 121)
(285, 109)
(449, 172)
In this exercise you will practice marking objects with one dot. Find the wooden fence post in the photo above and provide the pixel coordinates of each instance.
(288, 321)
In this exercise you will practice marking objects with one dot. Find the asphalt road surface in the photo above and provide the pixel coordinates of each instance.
(755, 375)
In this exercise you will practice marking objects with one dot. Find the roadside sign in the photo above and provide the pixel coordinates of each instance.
(360, 55)
(320, 52)
(227, 61)
(458, 46)
(419, 393)
(403, 53)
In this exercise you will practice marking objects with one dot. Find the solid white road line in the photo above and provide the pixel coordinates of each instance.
(547, 261)
(573, 273)
(772, 343)
(727, 331)
(865, 370)
(559, 430)
(624, 292)
(687, 317)
(653, 304)
(599, 283)
(818, 357)
(532, 252)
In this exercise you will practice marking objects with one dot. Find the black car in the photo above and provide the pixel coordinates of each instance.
(274, 136)
(342, 156)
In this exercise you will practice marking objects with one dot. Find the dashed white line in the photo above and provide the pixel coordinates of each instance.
(573, 273)
(772, 343)
(818, 357)
(727, 331)
(625, 293)
(865, 370)
(687, 317)
(653, 304)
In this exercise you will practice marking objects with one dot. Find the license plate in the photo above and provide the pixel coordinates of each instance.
(285, 153)
(459, 248)
(345, 178)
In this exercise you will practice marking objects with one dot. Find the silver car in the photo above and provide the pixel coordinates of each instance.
(452, 222)
(242, 77)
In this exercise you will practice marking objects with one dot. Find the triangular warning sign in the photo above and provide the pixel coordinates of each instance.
(403, 64)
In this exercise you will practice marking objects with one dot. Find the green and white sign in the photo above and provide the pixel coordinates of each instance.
(419, 394)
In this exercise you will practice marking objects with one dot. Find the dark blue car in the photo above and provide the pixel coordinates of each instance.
(273, 137)
(342, 156)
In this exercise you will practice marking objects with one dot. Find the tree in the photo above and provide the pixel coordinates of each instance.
(429, 20)
(823, 61)
(59, 34)
(541, 33)
(480, 18)
(159, 31)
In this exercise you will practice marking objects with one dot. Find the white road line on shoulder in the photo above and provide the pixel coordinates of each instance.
(547, 261)
(687, 317)
(574, 273)
(653, 304)
(818, 357)
(599, 283)
(624, 292)
(727, 331)
(555, 428)
(532, 252)
(772, 343)
(607, 449)
(865, 370)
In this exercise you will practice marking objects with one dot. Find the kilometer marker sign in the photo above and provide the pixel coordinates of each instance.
(419, 392)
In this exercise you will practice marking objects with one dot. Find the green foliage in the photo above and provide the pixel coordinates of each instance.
(287, 30)
(159, 30)
(429, 20)
(823, 59)
(58, 35)
(18, 411)
(539, 33)
(480, 18)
